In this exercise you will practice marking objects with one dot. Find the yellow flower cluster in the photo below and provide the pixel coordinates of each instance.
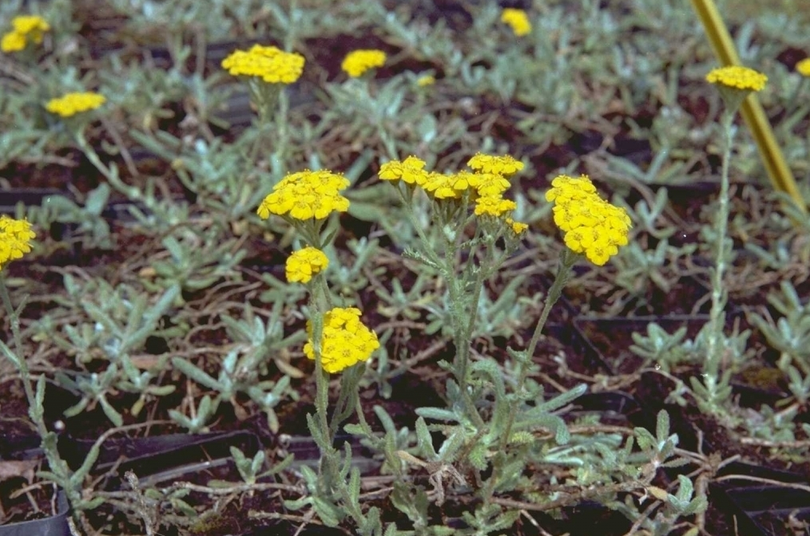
(737, 77)
(502, 165)
(410, 171)
(803, 67)
(518, 20)
(592, 226)
(15, 239)
(346, 340)
(270, 63)
(359, 61)
(75, 103)
(305, 263)
(306, 195)
(493, 206)
(26, 28)
(485, 185)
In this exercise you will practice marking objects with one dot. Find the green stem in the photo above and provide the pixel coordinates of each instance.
(717, 313)
(57, 466)
(112, 177)
(567, 261)
(407, 202)
(280, 154)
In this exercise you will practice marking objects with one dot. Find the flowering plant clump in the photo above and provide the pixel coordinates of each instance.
(737, 77)
(359, 61)
(305, 263)
(15, 239)
(75, 103)
(268, 63)
(517, 20)
(26, 28)
(346, 340)
(803, 67)
(592, 226)
(306, 195)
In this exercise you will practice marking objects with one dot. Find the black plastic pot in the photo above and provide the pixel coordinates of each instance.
(55, 525)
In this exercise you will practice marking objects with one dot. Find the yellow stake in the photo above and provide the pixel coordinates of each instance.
(752, 112)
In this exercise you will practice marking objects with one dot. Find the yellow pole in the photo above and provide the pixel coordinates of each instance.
(752, 112)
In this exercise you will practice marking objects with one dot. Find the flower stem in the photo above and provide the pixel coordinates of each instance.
(717, 312)
(566, 263)
(57, 466)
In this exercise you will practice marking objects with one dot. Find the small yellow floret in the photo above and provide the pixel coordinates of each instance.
(425, 80)
(305, 263)
(516, 226)
(737, 77)
(803, 67)
(269, 63)
(15, 239)
(74, 103)
(359, 61)
(517, 20)
(345, 342)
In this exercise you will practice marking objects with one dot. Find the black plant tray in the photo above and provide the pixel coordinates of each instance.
(28, 197)
(55, 525)
(766, 508)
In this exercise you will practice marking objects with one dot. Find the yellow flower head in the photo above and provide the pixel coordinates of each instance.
(15, 239)
(591, 225)
(518, 20)
(425, 80)
(442, 186)
(489, 184)
(306, 195)
(502, 165)
(270, 64)
(803, 67)
(493, 205)
(346, 340)
(410, 171)
(75, 103)
(305, 263)
(26, 28)
(737, 77)
(359, 61)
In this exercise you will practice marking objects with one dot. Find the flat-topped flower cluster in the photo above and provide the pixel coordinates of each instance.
(485, 185)
(345, 342)
(15, 239)
(25, 29)
(591, 225)
(268, 63)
